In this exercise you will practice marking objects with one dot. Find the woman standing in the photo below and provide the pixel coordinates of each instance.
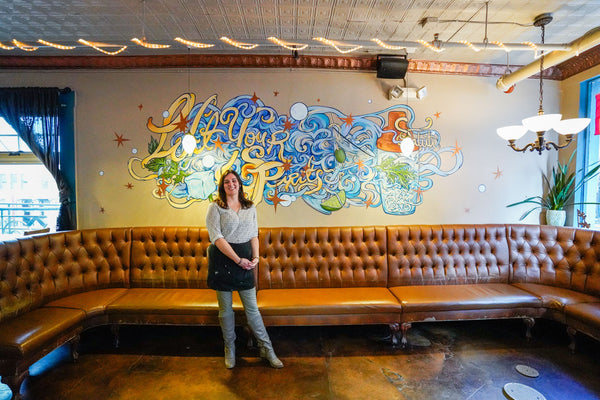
(232, 257)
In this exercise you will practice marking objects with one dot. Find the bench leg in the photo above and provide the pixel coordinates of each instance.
(572, 332)
(394, 332)
(74, 345)
(114, 328)
(14, 383)
(404, 327)
(250, 342)
(529, 322)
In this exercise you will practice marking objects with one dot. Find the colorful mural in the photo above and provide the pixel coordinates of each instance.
(316, 154)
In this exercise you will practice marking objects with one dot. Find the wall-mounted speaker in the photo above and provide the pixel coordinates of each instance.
(391, 66)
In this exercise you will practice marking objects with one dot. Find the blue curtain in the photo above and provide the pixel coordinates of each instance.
(34, 113)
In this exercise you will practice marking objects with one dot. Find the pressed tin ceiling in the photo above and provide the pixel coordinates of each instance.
(299, 21)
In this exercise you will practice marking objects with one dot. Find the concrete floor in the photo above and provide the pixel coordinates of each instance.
(466, 360)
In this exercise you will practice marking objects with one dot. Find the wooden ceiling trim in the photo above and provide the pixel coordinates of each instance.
(586, 60)
(257, 61)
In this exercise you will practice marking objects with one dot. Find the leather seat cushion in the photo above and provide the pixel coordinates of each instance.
(327, 301)
(463, 297)
(555, 297)
(92, 303)
(588, 313)
(169, 301)
(29, 332)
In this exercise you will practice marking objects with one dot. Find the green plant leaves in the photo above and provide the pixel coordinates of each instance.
(560, 188)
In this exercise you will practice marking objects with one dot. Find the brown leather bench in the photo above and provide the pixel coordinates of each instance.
(54, 286)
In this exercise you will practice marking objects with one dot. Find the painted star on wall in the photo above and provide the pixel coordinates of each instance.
(498, 173)
(437, 114)
(348, 120)
(275, 199)
(120, 139)
(456, 149)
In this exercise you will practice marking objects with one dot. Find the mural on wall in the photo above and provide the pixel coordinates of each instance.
(315, 154)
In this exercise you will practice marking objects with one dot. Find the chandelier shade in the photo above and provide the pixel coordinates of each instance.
(511, 132)
(571, 126)
(541, 123)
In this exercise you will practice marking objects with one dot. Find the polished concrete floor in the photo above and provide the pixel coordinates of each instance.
(467, 360)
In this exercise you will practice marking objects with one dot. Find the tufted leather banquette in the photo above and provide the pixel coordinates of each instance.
(54, 286)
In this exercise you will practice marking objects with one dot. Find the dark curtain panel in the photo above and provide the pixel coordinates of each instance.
(34, 115)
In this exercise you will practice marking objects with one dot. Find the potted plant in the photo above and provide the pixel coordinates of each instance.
(560, 188)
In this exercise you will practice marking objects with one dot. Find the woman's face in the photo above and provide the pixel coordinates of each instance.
(231, 184)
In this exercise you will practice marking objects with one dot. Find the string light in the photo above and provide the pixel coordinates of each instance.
(530, 44)
(337, 45)
(501, 45)
(97, 45)
(23, 46)
(387, 46)
(288, 45)
(197, 45)
(470, 45)
(430, 46)
(5, 47)
(55, 45)
(239, 45)
(142, 42)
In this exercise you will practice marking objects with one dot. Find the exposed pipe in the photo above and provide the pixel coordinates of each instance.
(577, 46)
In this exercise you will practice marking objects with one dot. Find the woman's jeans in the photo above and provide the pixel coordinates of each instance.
(227, 317)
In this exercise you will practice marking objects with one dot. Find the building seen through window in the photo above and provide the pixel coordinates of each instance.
(28, 192)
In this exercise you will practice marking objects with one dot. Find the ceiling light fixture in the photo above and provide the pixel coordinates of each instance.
(470, 45)
(55, 45)
(387, 46)
(239, 45)
(396, 92)
(197, 45)
(337, 45)
(23, 46)
(288, 45)
(142, 42)
(98, 45)
(501, 45)
(543, 122)
(435, 45)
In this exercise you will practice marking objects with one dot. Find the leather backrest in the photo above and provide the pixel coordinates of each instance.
(323, 257)
(447, 254)
(38, 269)
(556, 256)
(170, 257)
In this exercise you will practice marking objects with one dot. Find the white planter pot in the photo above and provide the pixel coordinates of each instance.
(556, 217)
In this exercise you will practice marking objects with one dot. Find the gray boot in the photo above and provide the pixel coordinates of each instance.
(228, 328)
(266, 348)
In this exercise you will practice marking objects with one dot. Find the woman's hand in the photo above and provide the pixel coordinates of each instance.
(246, 264)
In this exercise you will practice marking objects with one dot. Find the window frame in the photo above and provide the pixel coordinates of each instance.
(588, 153)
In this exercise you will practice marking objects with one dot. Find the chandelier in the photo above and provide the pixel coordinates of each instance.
(542, 123)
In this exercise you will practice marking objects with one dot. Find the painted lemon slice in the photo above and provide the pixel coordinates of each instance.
(335, 202)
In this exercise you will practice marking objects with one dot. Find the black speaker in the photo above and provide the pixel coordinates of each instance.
(391, 67)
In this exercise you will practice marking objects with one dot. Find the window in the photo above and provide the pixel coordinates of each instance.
(588, 151)
(28, 192)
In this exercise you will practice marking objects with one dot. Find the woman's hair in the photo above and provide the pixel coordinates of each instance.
(222, 199)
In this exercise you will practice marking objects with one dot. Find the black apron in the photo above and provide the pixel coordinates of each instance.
(225, 275)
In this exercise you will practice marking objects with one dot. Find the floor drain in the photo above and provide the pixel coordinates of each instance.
(518, 391)
(527, 371)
